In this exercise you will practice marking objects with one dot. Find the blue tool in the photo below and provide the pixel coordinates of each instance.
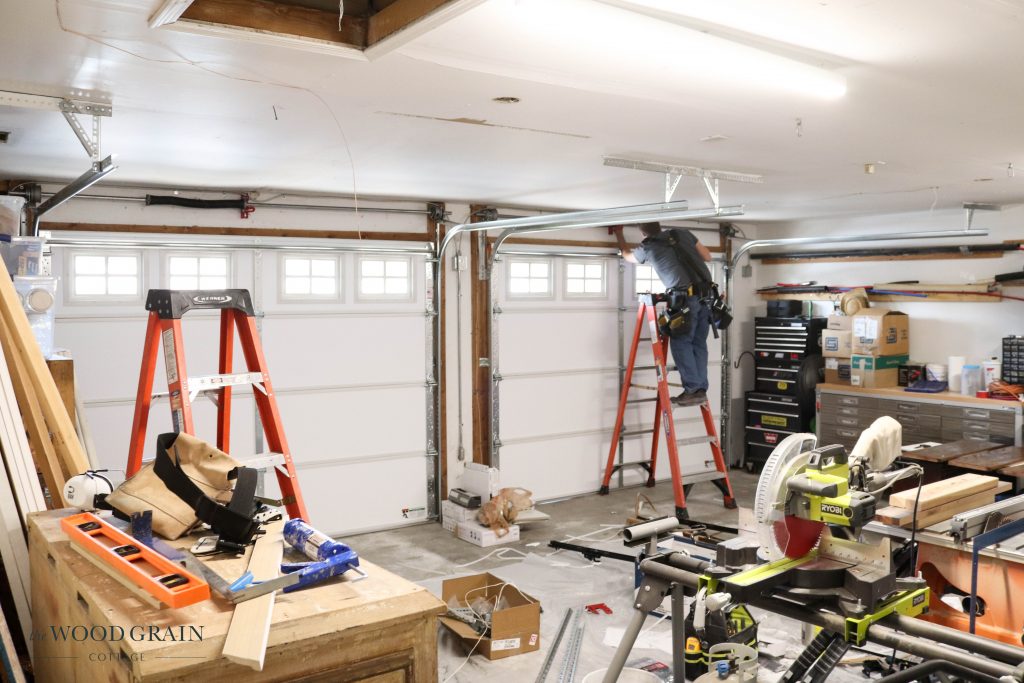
(330, 558)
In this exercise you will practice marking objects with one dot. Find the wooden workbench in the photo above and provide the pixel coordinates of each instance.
(381, 629)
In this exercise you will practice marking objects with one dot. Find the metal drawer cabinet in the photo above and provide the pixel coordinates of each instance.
(927, 423)
(979, 426)
(976, 413)
(949, 434)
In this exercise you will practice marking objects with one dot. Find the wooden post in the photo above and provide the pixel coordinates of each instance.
(481, 347)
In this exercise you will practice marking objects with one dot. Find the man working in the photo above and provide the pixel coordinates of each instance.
(678, 259)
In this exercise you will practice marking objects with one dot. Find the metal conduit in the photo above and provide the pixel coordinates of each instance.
(566, 221)
(726, 417)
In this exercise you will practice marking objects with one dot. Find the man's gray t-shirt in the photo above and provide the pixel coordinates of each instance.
(670, 268)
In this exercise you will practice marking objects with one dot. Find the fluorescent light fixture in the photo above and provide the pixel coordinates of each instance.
(679, 170)
(168, 12)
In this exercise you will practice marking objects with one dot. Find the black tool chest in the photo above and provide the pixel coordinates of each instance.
(787, 367)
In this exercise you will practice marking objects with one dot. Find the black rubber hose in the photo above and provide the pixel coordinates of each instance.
(922, 671)
(162, 200)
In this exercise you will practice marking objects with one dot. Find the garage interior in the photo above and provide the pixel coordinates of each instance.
(343, 341)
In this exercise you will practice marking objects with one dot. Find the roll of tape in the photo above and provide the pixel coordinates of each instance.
(38, 300)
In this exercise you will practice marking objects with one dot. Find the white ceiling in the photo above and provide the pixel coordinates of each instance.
(932, 89)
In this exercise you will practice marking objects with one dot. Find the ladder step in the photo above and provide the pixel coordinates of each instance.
(650, 388)
(643, 464)
(263, 461)
(204, 383)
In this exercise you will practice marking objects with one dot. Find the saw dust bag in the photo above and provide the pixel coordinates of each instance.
(207, 467)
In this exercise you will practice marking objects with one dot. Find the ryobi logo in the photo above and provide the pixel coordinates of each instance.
(211, 299)
(834, 509)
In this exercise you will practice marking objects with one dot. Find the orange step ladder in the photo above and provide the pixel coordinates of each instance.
(166, 307)
(647, 314)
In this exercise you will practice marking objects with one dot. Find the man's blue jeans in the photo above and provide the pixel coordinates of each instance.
(690, 352)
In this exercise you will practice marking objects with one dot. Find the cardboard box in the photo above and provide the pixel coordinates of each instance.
(483, 536)
(515, 629)
(882, 333)
(876, 371)
(842, 323)
(836, 343)
(837, 370)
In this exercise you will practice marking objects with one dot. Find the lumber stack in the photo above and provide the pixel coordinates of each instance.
(37, 437)
(941, 500)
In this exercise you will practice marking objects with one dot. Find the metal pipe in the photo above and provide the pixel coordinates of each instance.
(730, 267)
(143, 244)
(923, 671)
(833, 622)
(565, 254)
(269, 205)
(96, 173)
(920, 628)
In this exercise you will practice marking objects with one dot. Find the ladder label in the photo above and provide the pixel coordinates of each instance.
(169, 360)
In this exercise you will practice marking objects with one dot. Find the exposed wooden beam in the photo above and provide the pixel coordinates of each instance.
(404, 20)
(168, 12)
(275, 18)
(297, 233)
(480, 343)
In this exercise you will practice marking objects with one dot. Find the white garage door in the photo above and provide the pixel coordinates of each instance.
(559, 355)
(346, 345)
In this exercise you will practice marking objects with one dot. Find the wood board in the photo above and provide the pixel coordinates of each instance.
(65, 441)
(990, 461)
(246, 641)
(941, 492)
(17, 455)
(903, 517)
(950, 451)
(38, 435)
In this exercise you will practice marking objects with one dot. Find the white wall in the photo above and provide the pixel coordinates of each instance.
(937, 330)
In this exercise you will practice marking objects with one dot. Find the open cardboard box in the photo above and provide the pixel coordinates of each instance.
(514, 630)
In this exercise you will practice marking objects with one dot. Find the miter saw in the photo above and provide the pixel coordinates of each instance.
(810, 505)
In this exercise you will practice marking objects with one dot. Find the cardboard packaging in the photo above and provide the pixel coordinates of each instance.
(842, 323)
(450, 510)
(483, 536)
(837, 370)
(881, 332)
(836, 343)
(876, 371)
(515, 629)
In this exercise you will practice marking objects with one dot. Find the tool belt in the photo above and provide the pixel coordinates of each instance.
(677, 320)
(188, 483)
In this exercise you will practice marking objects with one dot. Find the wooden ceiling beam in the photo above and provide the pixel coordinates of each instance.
(276, 18)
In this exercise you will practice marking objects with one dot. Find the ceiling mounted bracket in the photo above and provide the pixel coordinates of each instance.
(90, 139)
(971, 207)
(674, 173)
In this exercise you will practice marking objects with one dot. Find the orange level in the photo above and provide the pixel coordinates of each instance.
(152, 572)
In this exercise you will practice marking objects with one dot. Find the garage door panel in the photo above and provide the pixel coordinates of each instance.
(328, 425)
(331, 350)
(560, 403)
(544, 342)
(343, 499)
(554, 467)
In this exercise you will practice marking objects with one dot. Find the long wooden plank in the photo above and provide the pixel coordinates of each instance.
(14, 443)
(65, 441)
(14, 553)
(940, 492)
(989, 461)
(246, 641)
(12, 666)
(38, 435)
(925, 518)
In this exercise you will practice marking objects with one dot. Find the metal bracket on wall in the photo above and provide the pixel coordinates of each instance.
(90, 139)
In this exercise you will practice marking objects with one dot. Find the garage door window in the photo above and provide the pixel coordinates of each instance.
(310, 277)
(102, 277)
(647, 280)
(585, 279)
(385, 278)
(197, 272)
(529, 278)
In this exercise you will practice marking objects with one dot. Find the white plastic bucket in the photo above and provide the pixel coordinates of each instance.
(628, 675)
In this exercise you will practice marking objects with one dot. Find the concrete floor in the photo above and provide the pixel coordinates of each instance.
(424, 551)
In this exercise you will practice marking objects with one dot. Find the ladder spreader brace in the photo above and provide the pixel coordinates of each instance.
(166, 307)
(647, 314)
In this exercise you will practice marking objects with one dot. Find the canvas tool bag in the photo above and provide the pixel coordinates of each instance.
(190, 482)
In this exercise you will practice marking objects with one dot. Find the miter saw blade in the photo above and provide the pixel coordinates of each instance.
(783, 535)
